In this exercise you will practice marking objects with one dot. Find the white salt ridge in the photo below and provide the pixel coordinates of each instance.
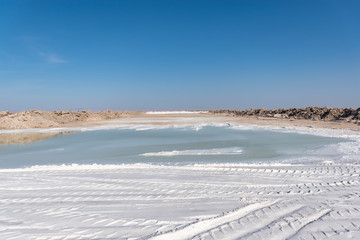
(197, 152)
(113, 126)
(175, 112)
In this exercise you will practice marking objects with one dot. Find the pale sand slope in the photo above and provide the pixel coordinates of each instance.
(215, 201)
(45, 119)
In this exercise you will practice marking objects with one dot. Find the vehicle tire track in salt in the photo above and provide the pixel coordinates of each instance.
(196, 228)
(103, 203)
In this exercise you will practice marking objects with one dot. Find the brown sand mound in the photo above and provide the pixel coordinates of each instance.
(44, 119)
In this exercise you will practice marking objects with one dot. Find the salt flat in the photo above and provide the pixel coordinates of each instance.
(295, 200)
(218, 201)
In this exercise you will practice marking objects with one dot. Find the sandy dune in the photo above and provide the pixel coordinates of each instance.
(45, 119)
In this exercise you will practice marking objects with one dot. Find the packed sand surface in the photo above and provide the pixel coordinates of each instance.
(314, 200)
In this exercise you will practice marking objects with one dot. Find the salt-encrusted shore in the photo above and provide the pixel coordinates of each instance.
(308, 200)
(328, 117)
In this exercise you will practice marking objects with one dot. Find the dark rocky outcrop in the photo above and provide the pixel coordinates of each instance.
(309, 113)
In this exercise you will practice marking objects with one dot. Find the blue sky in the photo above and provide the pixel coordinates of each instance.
(170, 55)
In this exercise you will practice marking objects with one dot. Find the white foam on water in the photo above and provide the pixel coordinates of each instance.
(197, 152)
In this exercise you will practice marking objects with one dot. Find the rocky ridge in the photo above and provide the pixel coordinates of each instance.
(310, 113)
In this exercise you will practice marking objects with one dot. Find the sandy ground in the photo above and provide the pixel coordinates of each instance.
(205, 118)
(46, 119)
(215, 201)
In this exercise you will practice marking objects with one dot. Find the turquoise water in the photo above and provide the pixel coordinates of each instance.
(165, 146)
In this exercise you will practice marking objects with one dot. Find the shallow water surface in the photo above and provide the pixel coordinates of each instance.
(166, 146)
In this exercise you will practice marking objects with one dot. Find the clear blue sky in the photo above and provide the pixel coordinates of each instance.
(169, 55)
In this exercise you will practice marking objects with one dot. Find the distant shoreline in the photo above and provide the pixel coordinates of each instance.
(310, 116)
